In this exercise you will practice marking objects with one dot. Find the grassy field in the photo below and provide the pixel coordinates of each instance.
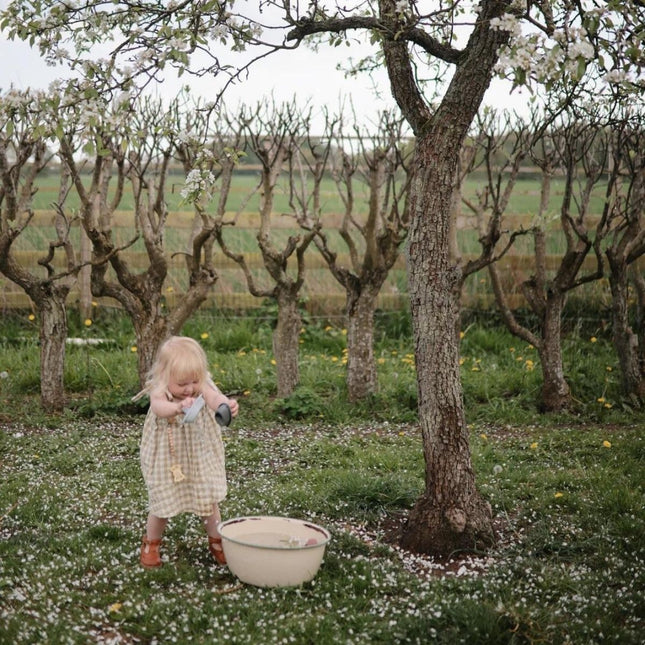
(566, 492)
(523, 199)
(320, 288)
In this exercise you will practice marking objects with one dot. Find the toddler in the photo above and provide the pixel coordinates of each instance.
(182, 463)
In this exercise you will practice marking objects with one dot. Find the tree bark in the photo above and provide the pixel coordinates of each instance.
(556, 394)
(286, 343)
(84, 276)
(361, 367)
(451, 515)
(637, 274)
(53, 334)
(150, 331)
(624, 338)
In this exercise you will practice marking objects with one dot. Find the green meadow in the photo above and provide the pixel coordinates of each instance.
(566, 492)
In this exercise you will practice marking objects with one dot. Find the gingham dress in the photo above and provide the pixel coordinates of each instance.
(198, 449)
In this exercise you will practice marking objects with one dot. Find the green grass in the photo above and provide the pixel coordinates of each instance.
(501, 375)
(568, 567)
(523, 200)
(566, 492)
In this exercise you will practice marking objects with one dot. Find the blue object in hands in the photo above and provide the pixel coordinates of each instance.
(190, 414)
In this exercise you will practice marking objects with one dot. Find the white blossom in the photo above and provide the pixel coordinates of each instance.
(507, 22)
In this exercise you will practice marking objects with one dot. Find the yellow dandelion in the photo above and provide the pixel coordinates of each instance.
(170, 289)
(483, 436)
(593, 339)
(462, 360)
(344, 332)
(334, 359)
(246, 392)
(461, 334)
(609, 368)
(133, 349)
(32, 317)
(606, 444)
(534, 445)
(558, 495)
(328, 328)
(88, 322)
(607, 405)
(511, 350)
(94, 303)
(114, 607)
(529, 364)
(381, 361)
(401, 434)
(273, 361)
(601, 399)
(204, 335)
(241, 353)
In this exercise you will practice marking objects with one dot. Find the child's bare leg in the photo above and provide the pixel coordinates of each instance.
(155, 526)
(214, 540)
(151, 542)
(211, 521)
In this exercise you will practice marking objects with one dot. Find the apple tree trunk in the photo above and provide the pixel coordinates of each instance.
(286, 343)
(53, 335)
(450, 515)
(361, 367)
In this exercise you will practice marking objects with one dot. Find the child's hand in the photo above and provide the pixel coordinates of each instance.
(187, 402)
(232, 403)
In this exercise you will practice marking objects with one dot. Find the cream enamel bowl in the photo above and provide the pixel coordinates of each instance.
(268, 551)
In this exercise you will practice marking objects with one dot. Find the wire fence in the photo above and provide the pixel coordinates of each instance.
(321, 293)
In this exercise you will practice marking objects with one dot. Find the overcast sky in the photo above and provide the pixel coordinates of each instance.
(308, 75)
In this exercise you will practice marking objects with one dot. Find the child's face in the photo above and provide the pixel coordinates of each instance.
(183, 387)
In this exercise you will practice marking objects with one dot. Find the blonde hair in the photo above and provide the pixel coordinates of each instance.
(179, 357)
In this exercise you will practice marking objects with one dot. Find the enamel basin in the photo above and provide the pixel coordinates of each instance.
(268, 551)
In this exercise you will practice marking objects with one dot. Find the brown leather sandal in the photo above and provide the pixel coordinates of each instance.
(150, 557)
(217, 553)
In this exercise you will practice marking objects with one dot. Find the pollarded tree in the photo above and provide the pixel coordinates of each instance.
(576, 150)
(465, 43)
(134, 144)
(622, 228)
(373, 241)
(563, 152)
(272, 134)
(26, 123)
(209, 150)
